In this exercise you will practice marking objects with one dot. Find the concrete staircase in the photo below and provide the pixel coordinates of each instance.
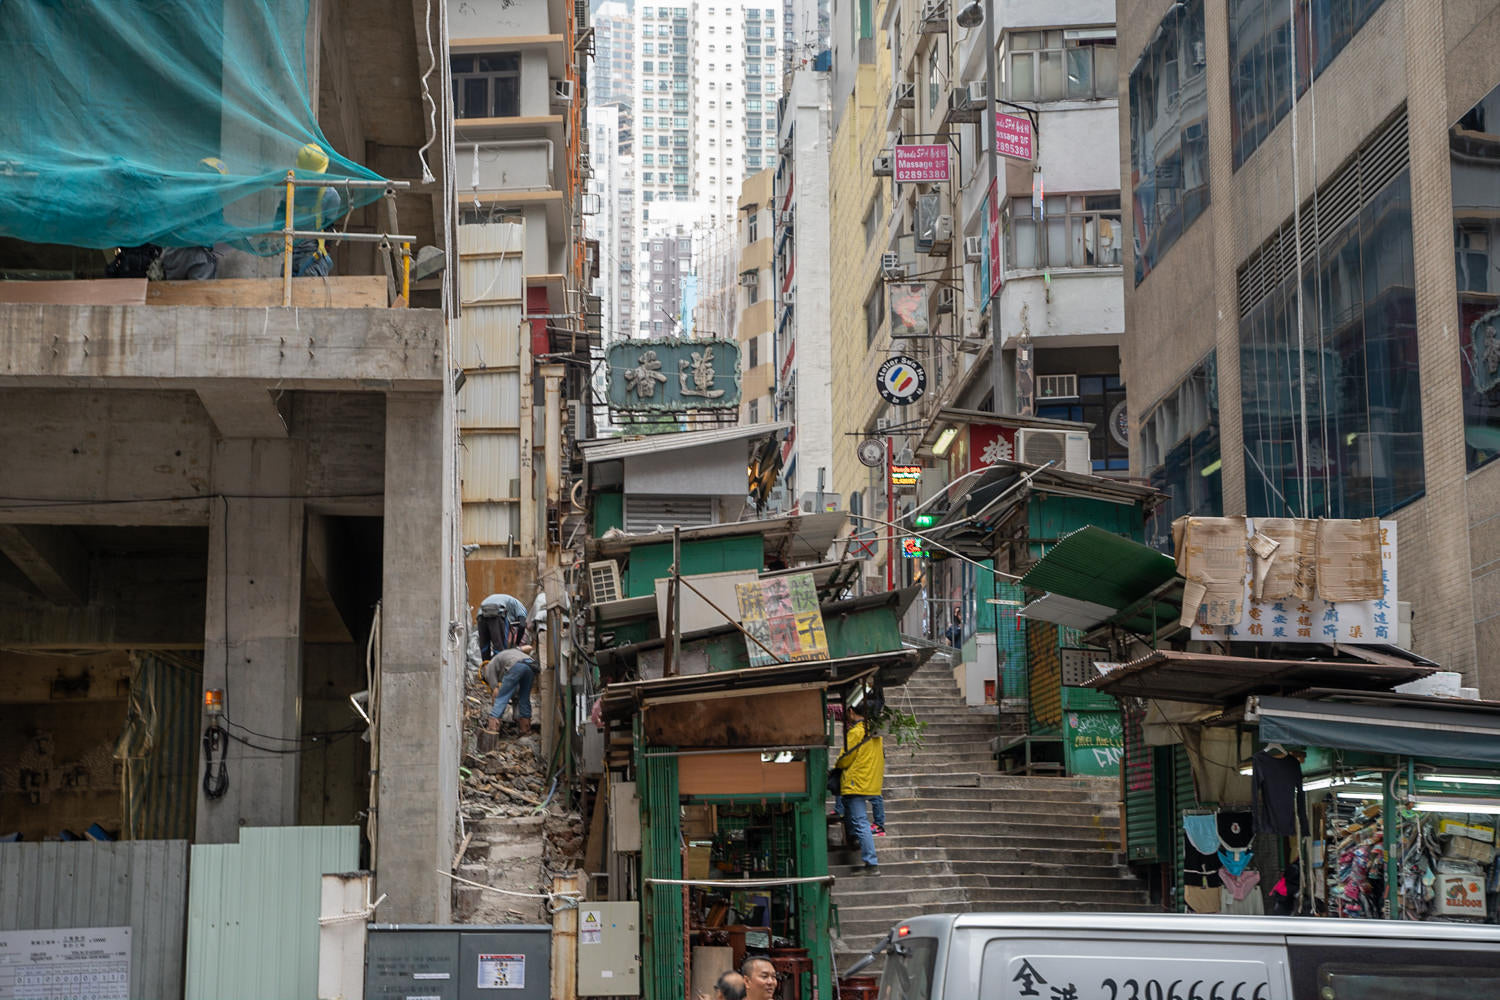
(963, 837)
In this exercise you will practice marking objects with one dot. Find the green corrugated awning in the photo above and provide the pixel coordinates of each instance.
(1094, 565)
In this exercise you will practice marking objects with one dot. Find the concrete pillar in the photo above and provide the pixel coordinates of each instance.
(252, 642)
(419, 688)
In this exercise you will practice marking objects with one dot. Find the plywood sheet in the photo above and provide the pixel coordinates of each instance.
(100, 292)
(357, 291)
(782, 719)
(739, 774)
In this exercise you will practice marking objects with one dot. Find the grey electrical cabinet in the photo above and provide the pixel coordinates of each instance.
(609, 949)
(458, 962)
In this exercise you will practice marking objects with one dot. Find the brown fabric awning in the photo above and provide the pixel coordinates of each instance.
(1212, 679)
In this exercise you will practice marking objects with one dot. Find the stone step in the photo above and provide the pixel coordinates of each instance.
(1012, 782)
(979, 873)
(859, 934)
(989, 811)
(862, 891)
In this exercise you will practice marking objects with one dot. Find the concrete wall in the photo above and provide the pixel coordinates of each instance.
(1086, 308)
(467, 19)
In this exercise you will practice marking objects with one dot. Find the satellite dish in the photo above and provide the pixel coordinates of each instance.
(872, 452)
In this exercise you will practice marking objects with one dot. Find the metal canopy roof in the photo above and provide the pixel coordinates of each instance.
(1063, 610)
(797, 536)
(1100, 567)
(1452, 728)
(890, 668)
(1212, 679)
(605, 449)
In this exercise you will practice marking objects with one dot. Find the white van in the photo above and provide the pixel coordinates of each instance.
(1015, 956)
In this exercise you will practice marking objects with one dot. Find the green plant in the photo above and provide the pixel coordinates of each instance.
(904, 728)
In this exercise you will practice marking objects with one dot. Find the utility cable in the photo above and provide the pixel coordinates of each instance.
(215, 775)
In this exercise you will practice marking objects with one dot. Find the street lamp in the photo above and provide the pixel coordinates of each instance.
(971, 16)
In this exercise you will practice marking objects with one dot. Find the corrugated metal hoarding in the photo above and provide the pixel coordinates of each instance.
(138, 884)
(253, 911)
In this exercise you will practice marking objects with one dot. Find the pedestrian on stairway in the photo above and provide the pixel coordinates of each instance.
(955, 632)
(862, 775)
(512, 671)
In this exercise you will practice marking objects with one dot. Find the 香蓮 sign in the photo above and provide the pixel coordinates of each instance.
(1013, 136)
(673, 374)
(919, 164)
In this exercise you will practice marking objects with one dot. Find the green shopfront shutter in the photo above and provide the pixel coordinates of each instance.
(1184, 798)
(1142, 842)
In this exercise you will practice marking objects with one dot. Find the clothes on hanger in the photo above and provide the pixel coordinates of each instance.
(1235, 862)
(1277, 799)
(1202, 831)
(1202, 900)
(1236, 829)
(1199, 869)
(1252, 905)
(1239, 886)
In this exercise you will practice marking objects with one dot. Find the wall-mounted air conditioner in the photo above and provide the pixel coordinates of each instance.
(906, 95)
(604, 581)
(1066, 450)
(562, 91)
(1057, 386)
(788, 298)
(973, 248)
(882, 166)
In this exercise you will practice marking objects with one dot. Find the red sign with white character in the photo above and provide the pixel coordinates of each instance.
(1013, 136)
(920, 164)
(989, 444)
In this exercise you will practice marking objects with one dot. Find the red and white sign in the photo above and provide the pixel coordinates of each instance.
(1013, 136)
(997, 273)
(989, 444)
(920, 164)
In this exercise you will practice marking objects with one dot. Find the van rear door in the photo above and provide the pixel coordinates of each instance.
(1126, 966)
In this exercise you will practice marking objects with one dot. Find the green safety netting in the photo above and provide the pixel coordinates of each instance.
(160, 121)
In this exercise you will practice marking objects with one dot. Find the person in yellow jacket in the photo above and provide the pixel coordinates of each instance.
(861, 777)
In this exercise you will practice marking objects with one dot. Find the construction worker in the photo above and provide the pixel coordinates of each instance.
(512, 671)
(501, 620)
(310, 258)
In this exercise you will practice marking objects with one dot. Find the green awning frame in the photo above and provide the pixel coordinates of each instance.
(1454, 731)
(1094, 565)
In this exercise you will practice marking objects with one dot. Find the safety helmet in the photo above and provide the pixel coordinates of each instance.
(311, 157)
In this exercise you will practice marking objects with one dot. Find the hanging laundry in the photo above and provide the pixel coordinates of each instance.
(1252, 905)
(1202, 831)
(1199, 869)
(1278, 801)
(1235, 862)
(1201, 900)
(1236, 830)
(1239, 886)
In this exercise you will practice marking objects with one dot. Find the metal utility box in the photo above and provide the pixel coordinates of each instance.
(609, 949)
(458, 962)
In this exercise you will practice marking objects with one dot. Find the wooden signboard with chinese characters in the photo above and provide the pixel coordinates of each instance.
(783, 615)
(673, 374)
(777, 719)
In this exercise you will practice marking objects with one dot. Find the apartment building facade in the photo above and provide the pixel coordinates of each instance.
(1308, 306)
(802, 283)
(756, 297)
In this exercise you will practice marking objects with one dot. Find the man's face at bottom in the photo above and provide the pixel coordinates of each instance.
(760, 980)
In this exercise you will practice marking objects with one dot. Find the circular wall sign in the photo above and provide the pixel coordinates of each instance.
(1119, 425)
(871, 452)
(901, 380)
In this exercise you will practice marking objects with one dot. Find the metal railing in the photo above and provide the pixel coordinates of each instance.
(387, 241)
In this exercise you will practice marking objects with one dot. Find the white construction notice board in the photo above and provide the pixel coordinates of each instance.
(66, 964)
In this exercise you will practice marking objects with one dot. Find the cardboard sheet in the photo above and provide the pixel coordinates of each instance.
(1290, 570)
(1349, 560)
(1211, 555)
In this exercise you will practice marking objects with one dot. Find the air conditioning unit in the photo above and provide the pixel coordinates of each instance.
(788, 298)
(1066, 450)
(945, 301)
(786, 217)
(942, 234)
(882, 166)
(890, 261)
(934, 17)
(960, 108)
(906, 95)
(831, 502)
(750, 279)
(1057, 386)
(883, 424)
(973, 248)
(976, 93)
(562, 91)
(604, 581)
